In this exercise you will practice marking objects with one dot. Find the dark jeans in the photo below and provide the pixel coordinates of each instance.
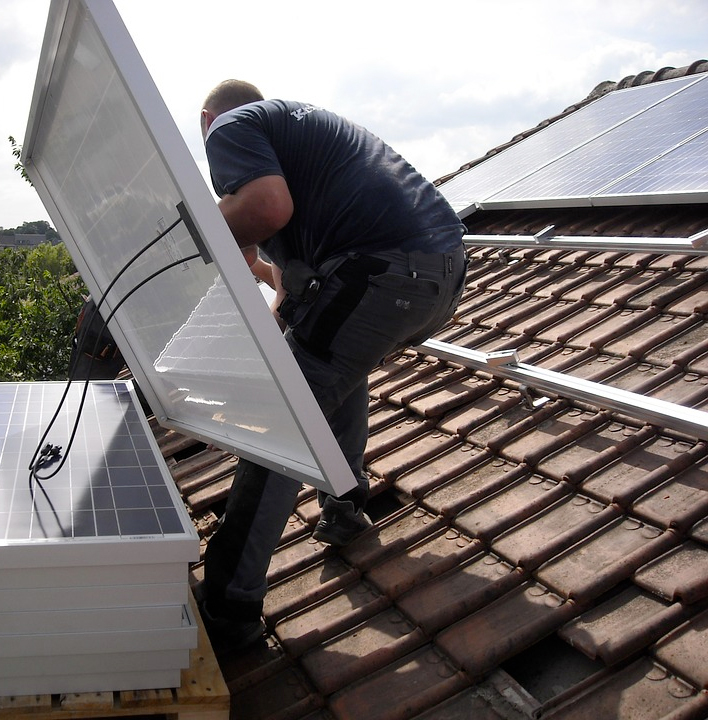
(358, 318)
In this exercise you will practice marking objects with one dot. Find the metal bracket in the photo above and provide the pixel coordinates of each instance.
(502, 357)
(192, 229)
(528, 398)
(544, 234)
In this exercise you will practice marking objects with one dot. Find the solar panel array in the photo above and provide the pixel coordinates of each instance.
(647, 141)
(93, 561)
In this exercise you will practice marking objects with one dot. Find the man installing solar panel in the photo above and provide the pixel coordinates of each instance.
(367, 257)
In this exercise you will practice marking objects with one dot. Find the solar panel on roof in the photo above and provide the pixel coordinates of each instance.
(115, 174)
(625, 143)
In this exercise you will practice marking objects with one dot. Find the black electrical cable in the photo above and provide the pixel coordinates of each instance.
(34, 467)
(49, 452)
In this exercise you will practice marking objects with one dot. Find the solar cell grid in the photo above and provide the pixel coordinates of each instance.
(111, 484)
(595, 148)
(621, 150)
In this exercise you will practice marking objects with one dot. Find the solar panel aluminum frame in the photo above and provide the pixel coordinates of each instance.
(298, 442)
(505, 365)
(692, 245)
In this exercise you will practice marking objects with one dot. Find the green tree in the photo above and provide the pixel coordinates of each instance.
(17, 154)
(40, 297)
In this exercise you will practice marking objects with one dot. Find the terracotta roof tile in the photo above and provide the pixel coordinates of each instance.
(247, 669)
(409, 686)
(499, 630)
(575, 324)
(519, 421)
(450, 464)
(550, 435)
(641, 469)
(466, 705)
(390, 369)
(426, 384)
(422, 561)
(394, 436)
(460, 592)
(459, 388)
(413, 374)
(285, 695)
(299, 590)
(679, 576)
(644, 338)
(554, 529)
(643, 689)
(670, 291)
(485, 402)
(599, 284)
(510, 506)
(679, 502)
(486, 477)
(407, 456)
(375, 643)
(324, 620)
(604, 559)
(612, 326)
(296, 556)
(684, 651)
(689, 390)
(402, 529)
(592, 451)
(620, 627)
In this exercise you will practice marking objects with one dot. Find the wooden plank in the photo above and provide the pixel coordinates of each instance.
(77, 703)
(27, 703)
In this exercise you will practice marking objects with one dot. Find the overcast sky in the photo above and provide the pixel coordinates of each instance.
(442, 82)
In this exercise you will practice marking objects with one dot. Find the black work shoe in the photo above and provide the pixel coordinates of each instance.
(340, 523)
(226, 632)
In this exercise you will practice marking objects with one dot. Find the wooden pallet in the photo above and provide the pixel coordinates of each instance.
(203, 695)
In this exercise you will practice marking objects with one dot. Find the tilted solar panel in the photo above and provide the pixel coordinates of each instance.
(115, 175)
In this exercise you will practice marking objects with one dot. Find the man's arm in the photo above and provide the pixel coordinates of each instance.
(257, 210)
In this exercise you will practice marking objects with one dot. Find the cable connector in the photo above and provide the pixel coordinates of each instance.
(48, 453)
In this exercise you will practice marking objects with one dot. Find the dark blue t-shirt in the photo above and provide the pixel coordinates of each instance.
(351, 192)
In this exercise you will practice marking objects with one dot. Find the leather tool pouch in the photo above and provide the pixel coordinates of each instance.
(303, 285)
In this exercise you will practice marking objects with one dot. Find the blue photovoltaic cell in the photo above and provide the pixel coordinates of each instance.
(591, 148)
(623, 149)
(682, 169)
(112, 483)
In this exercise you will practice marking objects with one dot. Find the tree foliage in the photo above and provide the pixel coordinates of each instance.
(17, 154)
(40, 297)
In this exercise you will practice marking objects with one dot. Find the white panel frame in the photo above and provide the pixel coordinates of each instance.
(321, 462)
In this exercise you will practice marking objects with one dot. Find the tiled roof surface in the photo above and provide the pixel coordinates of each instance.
(549, 560)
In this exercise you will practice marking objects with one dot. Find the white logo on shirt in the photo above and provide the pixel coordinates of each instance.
(303, 111)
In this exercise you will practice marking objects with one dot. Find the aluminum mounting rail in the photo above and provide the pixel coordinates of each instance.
(694, 245)
(505, 364)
